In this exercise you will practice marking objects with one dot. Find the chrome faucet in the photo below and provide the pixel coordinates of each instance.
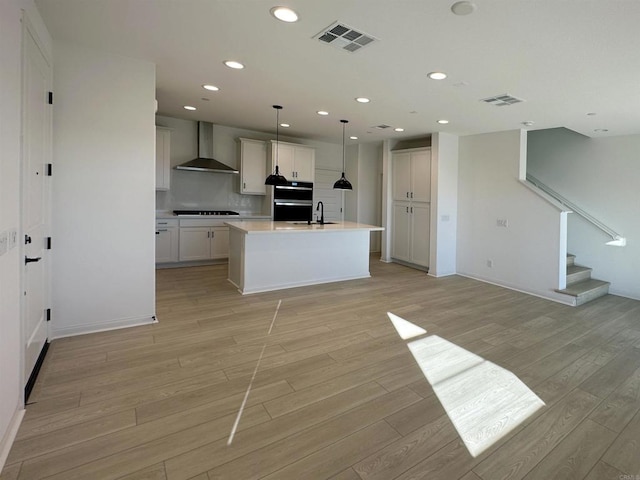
(321, 208)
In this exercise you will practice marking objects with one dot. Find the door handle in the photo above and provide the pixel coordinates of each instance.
(31, 259)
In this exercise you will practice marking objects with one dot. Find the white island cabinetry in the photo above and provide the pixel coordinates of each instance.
(265, 255)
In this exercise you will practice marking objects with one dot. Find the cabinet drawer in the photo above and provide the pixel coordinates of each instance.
(203, 222)
(166, 222)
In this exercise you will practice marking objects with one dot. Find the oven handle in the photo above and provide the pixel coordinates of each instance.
(280, 187)
(295, 204)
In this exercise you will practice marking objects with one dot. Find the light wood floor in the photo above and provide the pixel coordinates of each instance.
(337, 394)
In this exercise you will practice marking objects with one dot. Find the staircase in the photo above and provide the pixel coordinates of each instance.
(580, 284)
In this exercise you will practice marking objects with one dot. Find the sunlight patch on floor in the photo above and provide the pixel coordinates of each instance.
(405, 329)
(483, 400)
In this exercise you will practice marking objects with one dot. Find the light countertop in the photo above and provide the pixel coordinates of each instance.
(262, 227)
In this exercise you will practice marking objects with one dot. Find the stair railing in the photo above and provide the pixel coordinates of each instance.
(617, 239)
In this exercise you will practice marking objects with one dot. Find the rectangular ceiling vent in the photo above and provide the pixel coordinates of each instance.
(502, 100)
(344, 37)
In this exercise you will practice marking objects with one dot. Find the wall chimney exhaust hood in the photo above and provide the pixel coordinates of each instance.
(205, 161)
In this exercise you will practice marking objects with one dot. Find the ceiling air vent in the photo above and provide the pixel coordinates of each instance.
(344, 37)
(502, 100)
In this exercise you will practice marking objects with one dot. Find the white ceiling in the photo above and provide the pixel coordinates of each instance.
(565, 58)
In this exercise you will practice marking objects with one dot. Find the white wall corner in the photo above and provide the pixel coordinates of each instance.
(387, 204)
(9, 436)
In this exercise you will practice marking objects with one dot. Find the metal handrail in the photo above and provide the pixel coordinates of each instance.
(617, 239)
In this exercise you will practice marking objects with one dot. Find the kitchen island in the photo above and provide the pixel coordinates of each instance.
(266, 255)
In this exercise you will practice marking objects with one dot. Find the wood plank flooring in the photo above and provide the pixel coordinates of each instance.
(337, 394)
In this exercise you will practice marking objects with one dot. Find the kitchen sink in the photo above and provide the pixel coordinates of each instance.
(312, 223)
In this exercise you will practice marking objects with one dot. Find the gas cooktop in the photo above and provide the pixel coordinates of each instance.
(204, 212)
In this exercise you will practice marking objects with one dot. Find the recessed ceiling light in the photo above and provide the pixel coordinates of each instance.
(463, 8)
(211, 88)
(322, 112)
(284, 14)
(443, 122)
(437, 75)
(353, 137)
(399, 129)
(591, 114)
(285, 125)
(527, 123)
(362, 100)
(189, 107)
(234, 64)
(601, 130)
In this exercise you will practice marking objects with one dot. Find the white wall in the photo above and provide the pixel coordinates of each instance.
(11, 387)
(601, 176)
(526, 255)
(103, 191)
(444, 204)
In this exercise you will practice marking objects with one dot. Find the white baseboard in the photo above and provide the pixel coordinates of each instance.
(10, 435)
(551, 296)
(74, 330)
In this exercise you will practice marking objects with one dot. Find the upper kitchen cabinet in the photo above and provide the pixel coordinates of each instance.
(412, 175)
(163, 158)
(253, 166)
(296, 162)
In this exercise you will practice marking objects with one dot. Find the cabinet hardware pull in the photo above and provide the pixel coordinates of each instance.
(161, 230)
(31, 260)
(162, 223)
(411, 194)
(411, 209)
(407, 209)
(407, 194)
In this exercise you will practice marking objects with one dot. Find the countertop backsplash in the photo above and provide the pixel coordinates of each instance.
(205, 191)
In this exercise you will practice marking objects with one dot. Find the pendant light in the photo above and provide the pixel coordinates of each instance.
(343, 183)
(275, 178)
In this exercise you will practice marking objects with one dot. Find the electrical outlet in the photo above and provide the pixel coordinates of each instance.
(13, 239)
(502, 222)
(4, 240)
(490, 263)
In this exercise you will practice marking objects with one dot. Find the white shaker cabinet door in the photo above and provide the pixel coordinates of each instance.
(163, 158)
(195, 243)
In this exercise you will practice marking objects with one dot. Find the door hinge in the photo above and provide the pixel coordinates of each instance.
(48, 314)
(50, 99)
(49, 169)
(47, 243)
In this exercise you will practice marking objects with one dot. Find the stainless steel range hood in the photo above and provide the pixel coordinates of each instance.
(205, 161)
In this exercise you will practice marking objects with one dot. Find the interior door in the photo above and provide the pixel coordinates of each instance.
(35, 198)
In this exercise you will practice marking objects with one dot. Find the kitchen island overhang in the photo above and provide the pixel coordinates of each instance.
(266, 256)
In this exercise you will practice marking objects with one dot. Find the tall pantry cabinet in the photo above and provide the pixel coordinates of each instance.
(411, 211)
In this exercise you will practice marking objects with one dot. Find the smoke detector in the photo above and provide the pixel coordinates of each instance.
(344, 37)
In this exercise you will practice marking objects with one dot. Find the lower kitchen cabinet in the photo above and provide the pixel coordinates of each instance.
(410, 232)
(166, 241)
(203, 243)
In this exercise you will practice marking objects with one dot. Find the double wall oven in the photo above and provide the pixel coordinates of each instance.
(293, 201)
